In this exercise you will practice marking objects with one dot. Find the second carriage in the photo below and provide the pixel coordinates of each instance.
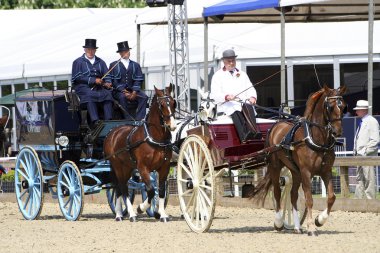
(213, 148)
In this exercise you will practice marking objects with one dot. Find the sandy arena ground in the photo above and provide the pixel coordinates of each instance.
(233, 230)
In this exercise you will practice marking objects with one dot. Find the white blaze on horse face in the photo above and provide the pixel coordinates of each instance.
(173, 124)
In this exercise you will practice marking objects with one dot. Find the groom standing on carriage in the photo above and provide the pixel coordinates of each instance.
(127, 80)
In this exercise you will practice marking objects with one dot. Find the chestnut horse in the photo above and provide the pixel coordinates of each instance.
(145, 145)
(306, 149)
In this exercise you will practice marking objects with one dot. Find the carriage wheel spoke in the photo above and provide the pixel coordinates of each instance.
(205, 197)
(187, 171)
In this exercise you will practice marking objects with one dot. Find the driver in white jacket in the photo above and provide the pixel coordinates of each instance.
(229, 85)
(229, 81)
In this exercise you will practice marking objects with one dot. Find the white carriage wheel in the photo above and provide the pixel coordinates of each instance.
(196, 184)
(70, 191)
(286, 205)
(29, 187)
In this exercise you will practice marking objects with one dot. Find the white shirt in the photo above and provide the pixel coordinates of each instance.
(91, 60)
(125, 63)
(223, 83)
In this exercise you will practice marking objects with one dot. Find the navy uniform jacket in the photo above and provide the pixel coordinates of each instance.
(130, 79)
(83, 78)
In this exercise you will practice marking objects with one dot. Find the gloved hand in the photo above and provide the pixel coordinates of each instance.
(98, 81)
(108, 85)
(132, 96)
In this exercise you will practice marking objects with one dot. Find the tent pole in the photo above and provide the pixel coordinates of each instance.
(205, 56)
(370, 55)
(138, 42)
(283, 90)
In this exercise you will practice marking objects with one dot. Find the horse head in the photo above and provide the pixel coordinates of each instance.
(166, 107)
(331, 103)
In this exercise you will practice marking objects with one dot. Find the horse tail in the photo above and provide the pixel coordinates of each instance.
(261, 190)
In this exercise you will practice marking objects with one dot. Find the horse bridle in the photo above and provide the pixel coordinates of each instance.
(339, 101)
(163, 117)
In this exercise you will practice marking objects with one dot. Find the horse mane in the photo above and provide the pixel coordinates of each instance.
(312, 102)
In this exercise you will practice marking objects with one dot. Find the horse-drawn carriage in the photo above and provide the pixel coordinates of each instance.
(293, 149)
(59, 153)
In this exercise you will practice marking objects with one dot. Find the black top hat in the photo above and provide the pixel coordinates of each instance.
(90, 43)
(122, 46)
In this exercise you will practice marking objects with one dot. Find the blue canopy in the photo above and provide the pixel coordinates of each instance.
(232, 6)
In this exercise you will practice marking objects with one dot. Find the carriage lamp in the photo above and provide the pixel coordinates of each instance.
(202, 114)
(63, 141)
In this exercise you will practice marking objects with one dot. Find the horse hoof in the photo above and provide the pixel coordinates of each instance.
(157, 215)
(312, 233)
(164, 219)
(298, 231)
(133, 219)
(118, 219)
(317, 222)
(139, 211)
(279, 228)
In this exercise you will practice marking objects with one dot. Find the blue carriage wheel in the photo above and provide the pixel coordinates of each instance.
(29, 185)
(111, 198)
(70, 191)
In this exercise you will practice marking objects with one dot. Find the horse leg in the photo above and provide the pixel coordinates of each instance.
(132, 214)
(293, 199)
(145, 175)
(118, 206)
(306, 185)
(322, 217)
(275, 177)
(161, 202)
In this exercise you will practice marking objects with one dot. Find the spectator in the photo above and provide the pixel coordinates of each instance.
(365, 144)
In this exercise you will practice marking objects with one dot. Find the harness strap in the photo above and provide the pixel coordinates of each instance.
(310, 143)
(288, 144)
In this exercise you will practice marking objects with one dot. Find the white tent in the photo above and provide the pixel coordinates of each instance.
(38, 43)
(45, 42)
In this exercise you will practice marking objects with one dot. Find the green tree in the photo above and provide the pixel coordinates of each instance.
(60, 4)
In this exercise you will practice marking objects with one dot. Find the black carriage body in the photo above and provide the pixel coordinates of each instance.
(42, 117)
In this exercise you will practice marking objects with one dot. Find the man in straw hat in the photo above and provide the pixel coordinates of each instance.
(91, 82)
(229, 88)
(366, 144)
(127, 79)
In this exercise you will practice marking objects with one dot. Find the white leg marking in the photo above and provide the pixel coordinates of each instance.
(322, 217)
(278, 219)
(161, 208)
(130, 209)
(145, 205)
(297, 223)
(118, 207)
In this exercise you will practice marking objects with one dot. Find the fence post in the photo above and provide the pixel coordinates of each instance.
(236, 180)
(344, 182)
